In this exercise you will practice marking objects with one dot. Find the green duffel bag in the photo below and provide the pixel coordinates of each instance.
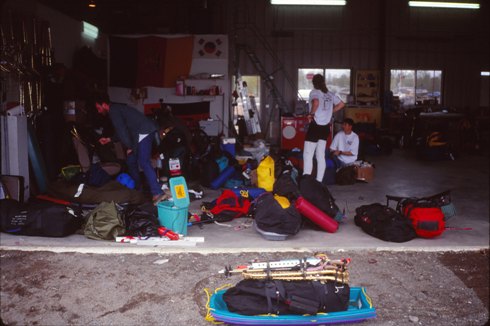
(105, 222)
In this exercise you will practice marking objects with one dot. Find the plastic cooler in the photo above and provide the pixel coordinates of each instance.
(173, 214)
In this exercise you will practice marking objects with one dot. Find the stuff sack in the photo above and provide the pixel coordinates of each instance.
(427, 218)
(314, 214)
(228, 206)
(265, 174)
(105, 222)
(257, 297)
(384, 223)
(346, 175)
(274, 215)
(318, 194)
(38, 219)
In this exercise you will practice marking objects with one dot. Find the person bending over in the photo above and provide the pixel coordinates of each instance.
(322, 103)
(136, 132)
(345, 145)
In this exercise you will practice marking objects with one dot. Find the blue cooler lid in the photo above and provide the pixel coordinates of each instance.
(180, 193)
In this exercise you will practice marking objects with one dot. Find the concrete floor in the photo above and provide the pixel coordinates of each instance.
(399, 174)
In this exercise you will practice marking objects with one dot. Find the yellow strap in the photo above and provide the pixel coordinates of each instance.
(210, 317)
(368, 299)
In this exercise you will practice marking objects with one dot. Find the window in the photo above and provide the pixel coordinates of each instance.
(248, 102)
(90, 30)
(416, 86)
(338, 81)
(305, 85)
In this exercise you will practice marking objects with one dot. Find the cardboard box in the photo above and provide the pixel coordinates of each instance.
(365, 173)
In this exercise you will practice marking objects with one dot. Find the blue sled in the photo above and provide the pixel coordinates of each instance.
(360, 308)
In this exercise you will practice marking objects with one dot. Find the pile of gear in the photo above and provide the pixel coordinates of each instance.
(280, 202)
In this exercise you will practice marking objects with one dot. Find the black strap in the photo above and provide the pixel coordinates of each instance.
(269, 291)
(272, 292)
(433, 200)
(281, 290)
(394, 198)
(322, 290)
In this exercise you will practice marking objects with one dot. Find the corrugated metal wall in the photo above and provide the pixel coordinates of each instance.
(370, 34)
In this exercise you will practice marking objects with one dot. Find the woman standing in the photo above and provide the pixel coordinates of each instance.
(322, 105)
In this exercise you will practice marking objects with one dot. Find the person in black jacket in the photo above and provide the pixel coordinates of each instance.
(136, 132)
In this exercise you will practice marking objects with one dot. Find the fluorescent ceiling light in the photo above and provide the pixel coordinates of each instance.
(437, 4)
(90, 30)
(310, 2)
(485, 73)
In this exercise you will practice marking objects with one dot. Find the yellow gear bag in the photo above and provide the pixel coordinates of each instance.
(265, 174)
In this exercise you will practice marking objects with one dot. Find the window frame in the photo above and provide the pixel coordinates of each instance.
(413, 89)
(303, 93)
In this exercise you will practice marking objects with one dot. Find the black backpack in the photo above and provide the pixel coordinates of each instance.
(271, 217)
(318, 194)
(256, 297)
(384, 223)
(286, 186)
(41, 219)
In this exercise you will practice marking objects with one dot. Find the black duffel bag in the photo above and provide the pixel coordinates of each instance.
(42, 219)
(256, 297)
(271, 217)
(384, 223)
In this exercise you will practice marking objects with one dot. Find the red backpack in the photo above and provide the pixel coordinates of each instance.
(426, 216)
(229, 205)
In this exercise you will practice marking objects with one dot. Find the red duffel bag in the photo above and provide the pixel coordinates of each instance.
(427, 218)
